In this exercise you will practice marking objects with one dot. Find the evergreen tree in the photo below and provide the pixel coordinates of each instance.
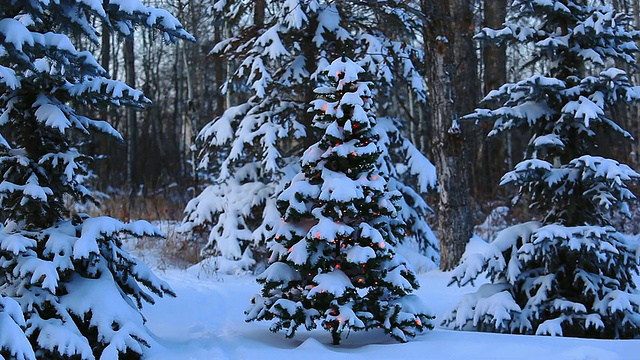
(571, 273)
(68, 288)
(333, 256)
(254, 147)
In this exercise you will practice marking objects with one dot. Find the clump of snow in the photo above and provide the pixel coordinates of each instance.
(335, 282)
(13, 340)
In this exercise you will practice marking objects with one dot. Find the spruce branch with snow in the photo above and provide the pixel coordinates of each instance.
(572, 272)
(253, 148)
(333, 257)
(13, 341)
(68, 288)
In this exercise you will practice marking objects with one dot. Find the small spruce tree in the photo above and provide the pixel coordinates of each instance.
(68, 288)
(333, 257)
(571, 273)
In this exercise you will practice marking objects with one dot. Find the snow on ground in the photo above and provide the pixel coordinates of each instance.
(206, 321)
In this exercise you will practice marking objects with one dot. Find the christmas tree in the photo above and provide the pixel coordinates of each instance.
(251, 151)
(68, 288)
(571, 272)
(333, 258)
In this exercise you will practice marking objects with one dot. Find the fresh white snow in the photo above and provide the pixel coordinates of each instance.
(206, 321)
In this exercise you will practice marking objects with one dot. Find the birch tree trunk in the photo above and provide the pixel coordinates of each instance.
(190, 122)
(452, 80)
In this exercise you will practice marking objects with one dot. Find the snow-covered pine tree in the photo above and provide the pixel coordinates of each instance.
(571, 273)
(68, 288)
(254, 147)
(333, 257)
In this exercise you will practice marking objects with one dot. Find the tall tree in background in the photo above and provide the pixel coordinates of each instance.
(572, 272)
(626, 115)
(492, 154)
(333, 257)
(132, 121)
(102, 167)
(184, 85)
(253, 148)
(68, 288)
(494, 57)
(453, 91)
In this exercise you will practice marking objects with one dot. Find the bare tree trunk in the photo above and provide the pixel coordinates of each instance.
(132, 121)
(414, 135)
(219, 70)
(179, 106)
(191, 114)
(258, 12)
(423, 120)
(492, 152)
(116, 57)
(451, 74)
(103, 146)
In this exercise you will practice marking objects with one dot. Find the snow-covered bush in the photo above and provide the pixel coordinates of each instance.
(333, 257)
(253, 148)
(572, 272)
(68, 289)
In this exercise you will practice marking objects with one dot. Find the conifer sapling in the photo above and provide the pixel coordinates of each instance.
(333, 259)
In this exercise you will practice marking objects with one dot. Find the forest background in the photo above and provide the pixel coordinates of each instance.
(157, 167)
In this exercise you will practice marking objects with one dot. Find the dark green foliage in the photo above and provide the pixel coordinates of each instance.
(333, 257)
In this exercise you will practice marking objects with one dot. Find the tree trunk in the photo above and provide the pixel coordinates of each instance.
(191, 114)
(335, 335)
(219, 70)
(495, 57)
(451, 75)
(258, 12)
(179, 114)
(103, 145)
(132, 122)
(492, 152)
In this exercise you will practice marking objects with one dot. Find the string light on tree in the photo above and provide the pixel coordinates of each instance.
(340, 165)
